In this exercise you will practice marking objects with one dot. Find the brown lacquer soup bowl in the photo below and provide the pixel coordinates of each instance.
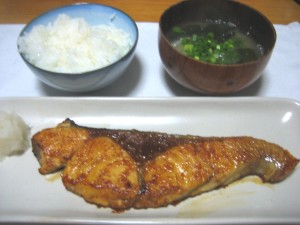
(240, 38)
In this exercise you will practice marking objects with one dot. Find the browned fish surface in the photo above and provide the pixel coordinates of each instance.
(125, 169)
(103, 173)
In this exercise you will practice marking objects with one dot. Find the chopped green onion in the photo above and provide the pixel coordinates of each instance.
(177, 30)
(208, 49)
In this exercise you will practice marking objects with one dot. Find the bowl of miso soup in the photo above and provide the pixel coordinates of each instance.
(215, 47)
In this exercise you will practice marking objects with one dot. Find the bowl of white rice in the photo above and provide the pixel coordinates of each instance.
(79, 48)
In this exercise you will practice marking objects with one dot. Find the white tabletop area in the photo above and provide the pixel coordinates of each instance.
(246, 202)
(146, 76)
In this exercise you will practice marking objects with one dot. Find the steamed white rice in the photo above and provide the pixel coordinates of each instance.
(14, 135)
(71, 45)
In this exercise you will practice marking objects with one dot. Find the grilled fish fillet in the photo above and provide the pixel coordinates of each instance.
(124, 169)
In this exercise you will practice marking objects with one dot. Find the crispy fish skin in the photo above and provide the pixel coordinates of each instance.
(53, 147)
(124, 169)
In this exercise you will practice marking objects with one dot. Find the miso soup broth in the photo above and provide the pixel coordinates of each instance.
(217, 43)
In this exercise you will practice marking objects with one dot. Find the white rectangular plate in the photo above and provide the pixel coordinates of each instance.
(27, 196)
